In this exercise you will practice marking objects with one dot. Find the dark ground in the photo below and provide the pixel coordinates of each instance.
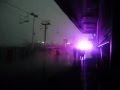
(39, 72)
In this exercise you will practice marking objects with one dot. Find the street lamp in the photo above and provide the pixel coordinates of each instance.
(45, 23)
(33, 33)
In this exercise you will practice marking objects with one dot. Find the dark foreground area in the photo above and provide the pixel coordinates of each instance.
(36, 71)
(41, 78)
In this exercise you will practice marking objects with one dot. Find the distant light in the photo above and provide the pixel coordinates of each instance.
(68, 43)
(43, 42)
(84, 45)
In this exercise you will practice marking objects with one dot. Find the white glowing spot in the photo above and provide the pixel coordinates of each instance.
(85, 45)
(43, 42)
(68, 43)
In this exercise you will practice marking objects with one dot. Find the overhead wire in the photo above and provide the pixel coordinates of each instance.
(20, 9)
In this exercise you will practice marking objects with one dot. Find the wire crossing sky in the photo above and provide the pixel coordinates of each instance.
(12, 33)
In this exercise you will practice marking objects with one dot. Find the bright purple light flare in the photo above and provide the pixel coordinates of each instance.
(84, 45)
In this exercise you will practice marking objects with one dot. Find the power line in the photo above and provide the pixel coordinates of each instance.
(28, 13)
(14, 6)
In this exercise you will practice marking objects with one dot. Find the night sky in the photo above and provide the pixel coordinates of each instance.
(12, 33)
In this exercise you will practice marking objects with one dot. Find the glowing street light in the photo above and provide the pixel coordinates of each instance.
(84, 45)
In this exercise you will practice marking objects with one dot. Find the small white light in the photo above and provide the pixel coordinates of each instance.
(68, 43)
(42, 42)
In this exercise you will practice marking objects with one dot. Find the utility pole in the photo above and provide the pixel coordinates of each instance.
(45, 23)
(33, 32)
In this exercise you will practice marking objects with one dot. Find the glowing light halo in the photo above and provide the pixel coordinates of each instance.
(84, 45)
(68, 43)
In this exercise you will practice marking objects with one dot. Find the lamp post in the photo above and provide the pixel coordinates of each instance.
(45, 23)
(33, 32)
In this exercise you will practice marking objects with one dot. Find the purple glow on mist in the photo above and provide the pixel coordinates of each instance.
(84, 45)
